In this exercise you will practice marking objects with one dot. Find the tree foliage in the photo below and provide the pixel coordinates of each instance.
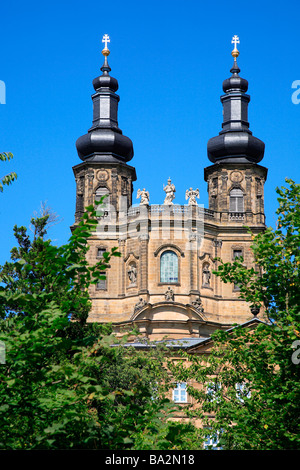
(66, 383)
(248, 389)
(10, 177)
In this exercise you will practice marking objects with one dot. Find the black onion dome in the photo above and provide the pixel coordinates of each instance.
(104, 141)
(235, 82)
(235, 143)
(105, 80)
(104, 145)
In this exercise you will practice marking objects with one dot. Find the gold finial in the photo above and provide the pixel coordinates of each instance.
(235, 53)
(105, 51)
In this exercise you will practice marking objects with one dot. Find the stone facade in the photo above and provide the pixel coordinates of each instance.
(133, 292)
(194, 302)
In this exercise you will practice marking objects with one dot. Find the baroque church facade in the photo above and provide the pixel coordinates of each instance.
(163, 282)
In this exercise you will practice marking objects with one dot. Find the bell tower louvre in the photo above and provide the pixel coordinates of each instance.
(163, 282)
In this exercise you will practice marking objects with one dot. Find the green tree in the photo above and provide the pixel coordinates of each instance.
(10, 177)
(248, 389)
(67, 383)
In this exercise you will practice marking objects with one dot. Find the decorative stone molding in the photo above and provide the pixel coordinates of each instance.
(217, 243)
(236, 176)
(140, 304)
(131, 254)
(102, 175)
(198, 305)
(237, 216)
(169, 246)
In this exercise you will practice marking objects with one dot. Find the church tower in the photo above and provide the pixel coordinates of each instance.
(164, 282)
(235, 180)
(104, 150)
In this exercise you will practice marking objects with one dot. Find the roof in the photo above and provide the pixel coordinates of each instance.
(183, 343)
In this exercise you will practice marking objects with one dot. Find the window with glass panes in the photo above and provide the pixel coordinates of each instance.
(237, 254)
(100, 252)
(104, 207)
(236, 200)
(180, 393)
(169, 267)
(102, 283)
(212, 442)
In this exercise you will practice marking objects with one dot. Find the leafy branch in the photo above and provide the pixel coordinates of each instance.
(10, 177)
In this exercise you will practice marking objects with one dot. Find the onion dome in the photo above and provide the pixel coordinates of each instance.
(235, 82)
(104, 141)
(235, 143)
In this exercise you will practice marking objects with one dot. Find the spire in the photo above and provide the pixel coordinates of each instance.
(235, 143)
(105, 67)
(104, 141)
(235, 53)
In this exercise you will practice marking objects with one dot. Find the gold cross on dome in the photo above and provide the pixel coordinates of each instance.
(235, 41)
(105, 39)
(105, 51)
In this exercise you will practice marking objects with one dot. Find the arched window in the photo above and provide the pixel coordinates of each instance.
(169, 267)
(236, 200)
(105, 205)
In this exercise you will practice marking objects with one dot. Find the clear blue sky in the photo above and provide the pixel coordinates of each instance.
(170, 58)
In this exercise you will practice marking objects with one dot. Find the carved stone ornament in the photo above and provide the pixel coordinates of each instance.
(206, 275)
(192, 194)
(132, 274)
(236, 176)
(169, 295)
(80, 184)
(255, 309)
(102, 175)
(198, 304)
(144, 195)
(170, 192)
(140, 304)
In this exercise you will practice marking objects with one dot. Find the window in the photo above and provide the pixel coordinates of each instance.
(237, 254)
(242, 391)
(169, 267)
(102, 283)
(103, 208)
(180, 393)
(236, 200)
(212, 441)
(100, 252)
(213, 391)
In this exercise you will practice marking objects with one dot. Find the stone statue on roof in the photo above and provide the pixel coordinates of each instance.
(170, 192)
